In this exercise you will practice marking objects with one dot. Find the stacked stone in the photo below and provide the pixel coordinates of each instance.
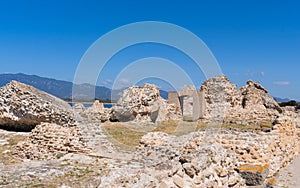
(168, 164)
(275, 149)
(22, 107)
(208, 166)
(220, 95)
(288, 133)
(215, 157)
(48, 141)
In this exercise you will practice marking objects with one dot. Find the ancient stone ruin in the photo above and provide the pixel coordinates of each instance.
(144, 104)
(50, 141)
(22, 107)
(96, 112)
(218, 100)
(210, 158)
(215, 157)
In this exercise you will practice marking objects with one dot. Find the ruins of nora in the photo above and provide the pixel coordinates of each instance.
(245, 140)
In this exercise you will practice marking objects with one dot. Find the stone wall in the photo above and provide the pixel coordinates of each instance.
(189, 100)
(256, 105)
(211, 158)
(49, 141)
(250, 104)
(220, 101)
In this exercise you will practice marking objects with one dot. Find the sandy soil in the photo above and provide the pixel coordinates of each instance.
(290, 176)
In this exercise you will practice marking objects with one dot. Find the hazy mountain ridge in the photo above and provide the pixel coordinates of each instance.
(59, 88)
(278, 99)
(63, 89)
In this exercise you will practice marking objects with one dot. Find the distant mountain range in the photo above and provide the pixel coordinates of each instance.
(63, 89)
(278, 99)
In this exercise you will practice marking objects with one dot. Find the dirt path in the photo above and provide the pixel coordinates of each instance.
(290, 176)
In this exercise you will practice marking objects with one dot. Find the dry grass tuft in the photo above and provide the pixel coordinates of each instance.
(122, 135)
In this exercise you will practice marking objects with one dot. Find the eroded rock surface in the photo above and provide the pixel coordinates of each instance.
(22, 107)
(250, 104)
(220, 96)
(144, 104)
(254, 174)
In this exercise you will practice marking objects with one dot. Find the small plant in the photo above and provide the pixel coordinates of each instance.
(59, 155)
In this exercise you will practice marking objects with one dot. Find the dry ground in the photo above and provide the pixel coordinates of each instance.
(82, 170)
(129, 134)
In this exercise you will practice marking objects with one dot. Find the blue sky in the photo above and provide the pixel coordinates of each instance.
(258, 40)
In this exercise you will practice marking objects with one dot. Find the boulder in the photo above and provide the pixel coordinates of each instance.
(143, 104)
(22, 107)
(257, 105)
(254, 174)
(153, 139)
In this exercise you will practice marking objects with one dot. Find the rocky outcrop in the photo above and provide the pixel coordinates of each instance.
(143, 104)
(49, 141)
(225, 103)
(22, 107)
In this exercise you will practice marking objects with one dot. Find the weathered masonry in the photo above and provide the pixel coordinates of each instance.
(190, 101)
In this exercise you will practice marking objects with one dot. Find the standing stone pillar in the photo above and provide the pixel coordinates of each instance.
(173, 98)
(198, 105)
(202, 104)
